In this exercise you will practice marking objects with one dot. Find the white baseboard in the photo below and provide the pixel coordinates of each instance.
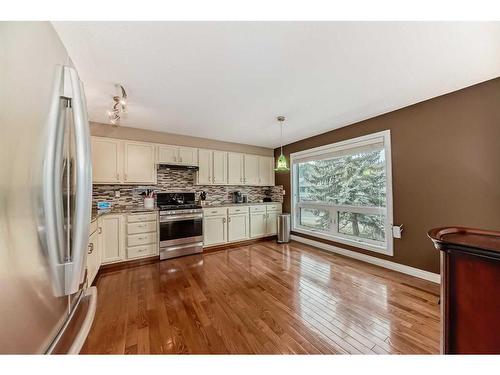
(426, 275)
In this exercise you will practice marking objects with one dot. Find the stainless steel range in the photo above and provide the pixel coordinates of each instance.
(181, 225)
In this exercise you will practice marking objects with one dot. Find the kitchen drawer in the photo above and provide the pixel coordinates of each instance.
(140, 251)
(141, 227)
(214, 211)
(141, 239)
(135, 218)
(93, 226)
(258, 208)
(273, 207)
(238, 210)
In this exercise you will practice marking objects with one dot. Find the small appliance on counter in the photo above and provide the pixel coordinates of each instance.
(203, 198)
(237, 197)
(267, 198)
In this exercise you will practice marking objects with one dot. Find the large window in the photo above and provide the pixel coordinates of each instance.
(343, 192)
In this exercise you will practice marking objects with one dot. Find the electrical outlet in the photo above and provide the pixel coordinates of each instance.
(397, 230)
(117, 193)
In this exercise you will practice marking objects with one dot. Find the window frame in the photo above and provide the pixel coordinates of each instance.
(332, 234)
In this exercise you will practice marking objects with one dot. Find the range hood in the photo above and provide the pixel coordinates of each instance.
(177, 167)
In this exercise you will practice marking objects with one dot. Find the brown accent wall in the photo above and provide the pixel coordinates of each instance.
(144, 135)
(445, 167)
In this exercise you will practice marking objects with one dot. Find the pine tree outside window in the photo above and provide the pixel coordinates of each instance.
(343, 192)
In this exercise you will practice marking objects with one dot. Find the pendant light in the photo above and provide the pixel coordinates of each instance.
(281, 164)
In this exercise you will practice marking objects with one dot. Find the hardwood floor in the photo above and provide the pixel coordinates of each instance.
(264, 298)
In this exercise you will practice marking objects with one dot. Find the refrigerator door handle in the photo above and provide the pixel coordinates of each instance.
(67, 272)
(83, 193)
(52, 224)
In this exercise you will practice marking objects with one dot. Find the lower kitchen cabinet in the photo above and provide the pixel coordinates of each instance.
(93, 254)
(128, 236)
(238, 227)
(257, 224)
(272, 223)
(238, 223)
(112, 237)
(214, 230)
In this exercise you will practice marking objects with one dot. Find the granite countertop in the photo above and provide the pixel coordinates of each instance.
(120, 210)
(238, 204)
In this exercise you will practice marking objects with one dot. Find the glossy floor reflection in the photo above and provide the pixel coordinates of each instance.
(264, 298)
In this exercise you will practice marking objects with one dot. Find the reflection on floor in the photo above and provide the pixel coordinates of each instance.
(264, 298)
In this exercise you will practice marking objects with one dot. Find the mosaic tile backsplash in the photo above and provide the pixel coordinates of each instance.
(180, 181)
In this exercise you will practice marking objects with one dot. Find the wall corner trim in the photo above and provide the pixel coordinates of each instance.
(426, 275)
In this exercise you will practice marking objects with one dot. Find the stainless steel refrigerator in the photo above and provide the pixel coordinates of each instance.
(45, 194)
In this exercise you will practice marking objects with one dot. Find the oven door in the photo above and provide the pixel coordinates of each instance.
(180, 229)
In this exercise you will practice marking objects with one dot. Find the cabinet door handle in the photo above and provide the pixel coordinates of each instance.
(208, 178)
(118, 177)
(99, 230)
(229, 219)
(223, 219)
(91, 248)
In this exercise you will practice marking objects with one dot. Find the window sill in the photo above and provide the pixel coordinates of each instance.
(359, 244)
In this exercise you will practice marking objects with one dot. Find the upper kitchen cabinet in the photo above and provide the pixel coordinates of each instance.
(188, 156)
(167, 154)
(235, 168)
(177, 155)
(205, 167)
(251, 174)
(212, 167)
(219, 167)
(139, 163)
(122, 162)
(106, 160)
(266, 171)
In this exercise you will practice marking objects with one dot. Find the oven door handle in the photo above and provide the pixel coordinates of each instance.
(170, 218)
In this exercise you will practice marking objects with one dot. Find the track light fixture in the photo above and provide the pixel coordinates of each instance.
(119, 106)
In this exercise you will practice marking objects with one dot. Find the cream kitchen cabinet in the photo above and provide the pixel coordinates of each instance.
(93, 253)
(139, 163)
(219, 167)
(107, 160)
(257, 224)
(239, 223)
(205, 173)
(122, 162)
(112, 237)
(167, 154)
(272, 223)
(238, 227)
(251, 170)
(212, 167)
(125, 237)
(266, 171)
(235, 168)
(214, 230)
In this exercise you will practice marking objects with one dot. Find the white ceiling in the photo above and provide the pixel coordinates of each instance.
(228, 80)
